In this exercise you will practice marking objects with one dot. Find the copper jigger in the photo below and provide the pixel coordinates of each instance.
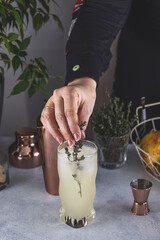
(141, 189)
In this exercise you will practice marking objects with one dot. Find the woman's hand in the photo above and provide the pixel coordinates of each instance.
(67, 107)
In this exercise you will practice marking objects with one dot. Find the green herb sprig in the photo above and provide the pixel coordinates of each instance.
(112, 120)
(73, 157)
(77, 148)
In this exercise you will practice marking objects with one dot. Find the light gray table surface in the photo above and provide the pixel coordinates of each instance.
(28, 212)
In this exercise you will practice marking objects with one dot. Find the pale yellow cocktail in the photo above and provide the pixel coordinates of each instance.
(77, 185)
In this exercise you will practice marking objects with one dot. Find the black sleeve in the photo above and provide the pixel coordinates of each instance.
(97, 23)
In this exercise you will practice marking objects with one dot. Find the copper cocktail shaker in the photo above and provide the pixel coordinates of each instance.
(24, 152)
(48, 146)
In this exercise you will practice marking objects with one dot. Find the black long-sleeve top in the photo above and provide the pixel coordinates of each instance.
(95, 24)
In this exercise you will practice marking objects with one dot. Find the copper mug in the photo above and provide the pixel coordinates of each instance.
(140, 189)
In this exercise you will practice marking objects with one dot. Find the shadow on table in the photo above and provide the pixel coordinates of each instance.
(30, 178)
(113, 209)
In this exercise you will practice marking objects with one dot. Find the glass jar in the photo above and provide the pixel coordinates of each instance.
(4, 170)
(112, 150)
(77, 187)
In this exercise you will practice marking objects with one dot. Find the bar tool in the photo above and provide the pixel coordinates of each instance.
(140, 189)
(48, 147)
(24, 152)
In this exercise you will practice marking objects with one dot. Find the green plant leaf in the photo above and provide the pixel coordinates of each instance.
(4, 56)
(13, 36)
(45, 5)
(45, 79)
(23, 54)
(25, 74)
(49, 67)
(18, 42)
(37, 21)
(41, 10)
(20, 87)
(2, 70)
(16, 62)
(44, 90)
(32, 90)
(14, 49)
(18, 18)
(2, 10)
(5, 59)
(40, 64)
(32, 11)
(56, 18)
(7, 44)
(21, 2)
(14, 15)
(25, 43)
(42, 69)
(41, 59)
(45, 18)
(27, 18)
(34, 3)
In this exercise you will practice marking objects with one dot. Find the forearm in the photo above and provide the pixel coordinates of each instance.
(88, 46)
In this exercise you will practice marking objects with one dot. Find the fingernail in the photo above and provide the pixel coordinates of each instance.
(76, 137)
(59, 140)
(83, 133)
(70, 143)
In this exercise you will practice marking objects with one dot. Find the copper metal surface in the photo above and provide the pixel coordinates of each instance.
(140, 189)
(140, 209)
(75, 223)
(24, 153)
(48, 147)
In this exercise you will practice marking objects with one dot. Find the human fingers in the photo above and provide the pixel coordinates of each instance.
(84, 114)
(72, 101)
(86, 88)
(49, 122)
(62, 121)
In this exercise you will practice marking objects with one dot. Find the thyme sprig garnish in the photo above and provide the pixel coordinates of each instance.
(73, 157)
(77, 148)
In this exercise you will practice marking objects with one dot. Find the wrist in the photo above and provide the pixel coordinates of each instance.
(85, 81)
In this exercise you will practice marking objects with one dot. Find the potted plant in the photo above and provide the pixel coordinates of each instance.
(111, 125)
(15, 17)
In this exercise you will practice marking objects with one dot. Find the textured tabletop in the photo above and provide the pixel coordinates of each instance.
(28, 212)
